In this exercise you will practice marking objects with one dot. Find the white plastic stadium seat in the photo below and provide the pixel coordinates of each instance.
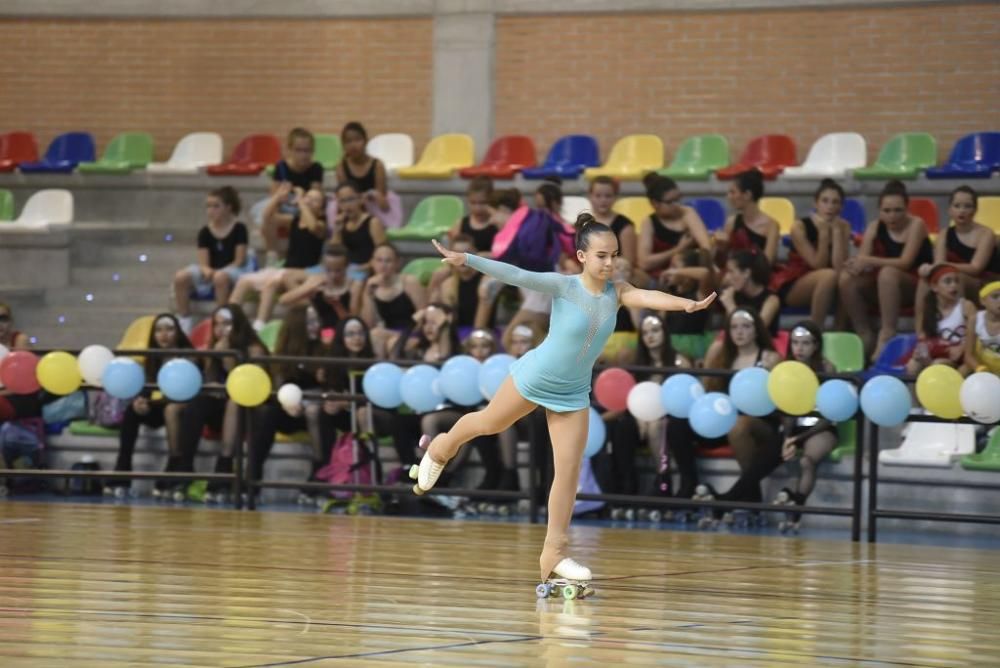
(935, 444)
(53, 206)
(573, 206)
(831, 157)
(394, 149)
(192, 152)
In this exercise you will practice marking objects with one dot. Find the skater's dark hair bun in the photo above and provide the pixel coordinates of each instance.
(586, 225)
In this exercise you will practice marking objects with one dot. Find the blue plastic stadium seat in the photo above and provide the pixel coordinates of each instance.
(711, 211)
(889, 360)
(854, 213)
(974, 156)
(567, 158)
(64, 153)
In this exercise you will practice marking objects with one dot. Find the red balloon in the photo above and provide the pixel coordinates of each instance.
(17, 372)
(612, 387)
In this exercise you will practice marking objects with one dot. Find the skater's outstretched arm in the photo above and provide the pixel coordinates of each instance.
(548, 282)
(633, 297)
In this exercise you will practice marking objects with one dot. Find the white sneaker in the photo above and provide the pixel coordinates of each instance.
(570, 570)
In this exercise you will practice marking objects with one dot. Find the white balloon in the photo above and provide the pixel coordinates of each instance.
(980, 397)
(290, 395)
(92, 361)
(644, 402)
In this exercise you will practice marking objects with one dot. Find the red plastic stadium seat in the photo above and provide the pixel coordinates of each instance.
(721, 452)
(768, 153)
(250, 157)
(506, 157)
(926, 209)
(17, 147)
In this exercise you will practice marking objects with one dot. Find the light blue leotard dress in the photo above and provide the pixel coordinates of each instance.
(557, 373)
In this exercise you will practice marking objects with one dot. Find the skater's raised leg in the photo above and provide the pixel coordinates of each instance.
(568, 432)
(505, 408)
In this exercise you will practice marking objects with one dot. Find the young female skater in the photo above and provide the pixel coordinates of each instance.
(555, 375)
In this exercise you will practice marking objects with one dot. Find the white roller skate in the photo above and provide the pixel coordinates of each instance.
(427, 472)
(708, 520)
(793, 521)
(568, 579)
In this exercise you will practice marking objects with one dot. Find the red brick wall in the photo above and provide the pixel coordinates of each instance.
(800, 72)
(234, 77)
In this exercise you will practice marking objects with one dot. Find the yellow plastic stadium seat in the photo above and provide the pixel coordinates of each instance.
(988, 213)
(636, 209)
(781, 209)
(136, 336)
(631, 158)
(441, 158)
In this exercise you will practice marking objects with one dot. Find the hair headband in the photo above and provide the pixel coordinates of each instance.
(481, 334)
(651, 320)
(941, 272)
(988, 289)
(225, 313)
(523, 330)
(801, 332)
(741, 315)
(163, 318)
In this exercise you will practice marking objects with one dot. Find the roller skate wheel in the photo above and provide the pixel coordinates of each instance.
(782, 499)
(503, 511)
(630, 515)
(569, 592)
(543, 590)
(616, 513)
(655, 516)
(179, 496)
(121, 493)
(417, 490)
(414, 471)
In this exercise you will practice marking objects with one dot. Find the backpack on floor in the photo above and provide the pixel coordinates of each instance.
(22, 446)
(352, 462)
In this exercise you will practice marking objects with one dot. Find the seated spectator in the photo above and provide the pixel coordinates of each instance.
(15, 406)
(434, 336)
(670, 230)
(299, 336)
(306, 230)
(300, 172)
(460, 291)
(230, 331)
(366, 173)
(893, 247)
(691, 275)
(602, 194)
(746, 343)
(942, 329)
(747, 276)
(982, 341)
(155, 411)
(357, 231)
(10, 338)
(749, 228)
(813, 437)
(966, 245)
(478, 228)
(621, 345)
(330, 292)
(820, 245)
(222, 255)
(389, 299)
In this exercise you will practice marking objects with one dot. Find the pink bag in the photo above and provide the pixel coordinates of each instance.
(350, 464)
(509, 230)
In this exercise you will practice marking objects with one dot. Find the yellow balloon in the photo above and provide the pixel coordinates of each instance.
(58, 373)
(248, 385)
(792, 387)
(939, 387)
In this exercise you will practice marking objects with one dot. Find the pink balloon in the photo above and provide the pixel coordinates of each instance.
(17, 372)
(612, 387)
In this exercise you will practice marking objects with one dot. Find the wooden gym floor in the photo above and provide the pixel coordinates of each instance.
(99, 585)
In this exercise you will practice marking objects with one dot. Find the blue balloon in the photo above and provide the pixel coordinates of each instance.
(748, 391)
(419, 389)
(713, 415)
(123, 378)
(179, 380)
(493, 372)
(381, 385)
(886, 401)
(597, 434)
(679, 392)
(837, 400)
(460, 380)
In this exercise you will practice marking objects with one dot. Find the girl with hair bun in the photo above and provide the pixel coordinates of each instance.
(556, 376)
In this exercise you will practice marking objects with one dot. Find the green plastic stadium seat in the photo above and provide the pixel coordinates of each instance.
(432, 218)
(988, 459)
(127, 151)
(328, 152)
(423, 268)
(846, 353)
(698, 158)
(902, 157)
(6, 205)
(269, 334)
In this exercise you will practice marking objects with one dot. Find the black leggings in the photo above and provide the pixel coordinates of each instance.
(128, 433)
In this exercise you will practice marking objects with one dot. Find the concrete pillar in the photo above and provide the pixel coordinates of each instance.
(463, 75)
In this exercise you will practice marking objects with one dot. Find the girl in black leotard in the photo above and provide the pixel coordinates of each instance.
(389, 299)
(602, 194)
(747, 275)
(893, 247)
(749, 227)
(671, 230)
(357, 231)
(357, 167)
